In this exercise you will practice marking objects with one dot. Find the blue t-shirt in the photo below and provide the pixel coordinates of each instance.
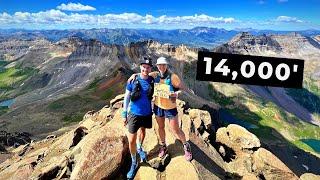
(142, 106)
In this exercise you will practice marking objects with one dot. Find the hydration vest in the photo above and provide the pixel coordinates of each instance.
(167, 80)
(136, 92)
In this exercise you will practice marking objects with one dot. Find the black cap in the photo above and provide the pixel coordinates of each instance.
(146, 60)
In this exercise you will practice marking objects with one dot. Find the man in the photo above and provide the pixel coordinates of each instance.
(166, 107)
(137, 112)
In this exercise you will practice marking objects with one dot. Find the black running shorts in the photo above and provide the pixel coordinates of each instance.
(135, 122)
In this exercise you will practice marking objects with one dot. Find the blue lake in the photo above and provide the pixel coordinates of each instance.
(227, 117)
(313, 143)
(7, 103)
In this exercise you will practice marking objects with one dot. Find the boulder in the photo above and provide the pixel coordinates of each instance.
(241, 166)
(100, 154)
(309, 176)
(199, 116)
(116, 99)
(267, 164)
(237, 138)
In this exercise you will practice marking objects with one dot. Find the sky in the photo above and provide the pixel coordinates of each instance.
(160, 14)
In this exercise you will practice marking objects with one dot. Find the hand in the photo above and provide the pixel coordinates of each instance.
(175, 94)
(132, 77)
(173, 97)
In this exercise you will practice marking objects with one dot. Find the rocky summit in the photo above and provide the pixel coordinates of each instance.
(97, 148)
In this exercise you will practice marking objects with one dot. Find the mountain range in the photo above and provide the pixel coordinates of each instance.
(52, 78)
(195, 37)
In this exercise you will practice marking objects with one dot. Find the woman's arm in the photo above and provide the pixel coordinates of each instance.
(132, 77)
(176, 82)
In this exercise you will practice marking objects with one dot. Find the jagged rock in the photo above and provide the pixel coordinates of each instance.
(267, 164)
(104, 115)
(24, 149)
(222, 151)
(205, 136)
(241, 165)
(116, 99)
(97, 147)
(51, 136)
(98, 119)
(14, 139)
(199, 117)
(309, 176)
(160, 163)
(99, 154)
(52, 170)
(2, 148)
(237, 138)
(15, 164)
(250, 177)
(23, 173)
(249, 158)
(71, 138)
(89, 114)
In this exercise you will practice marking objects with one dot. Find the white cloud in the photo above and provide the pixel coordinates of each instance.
(75, 7)
(57, 19)
(282, 1)
(288, 19)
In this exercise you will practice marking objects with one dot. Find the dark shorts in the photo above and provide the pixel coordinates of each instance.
(167, 113)
(135, 122)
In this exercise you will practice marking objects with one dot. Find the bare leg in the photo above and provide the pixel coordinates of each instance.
(132, 143)
(161, 131)
(141, 135)
(174, 125)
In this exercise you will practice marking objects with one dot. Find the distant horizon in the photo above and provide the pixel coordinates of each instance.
(235, 29)
(277, 15)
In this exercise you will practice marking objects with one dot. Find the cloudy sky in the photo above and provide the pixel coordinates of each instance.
(160, 14)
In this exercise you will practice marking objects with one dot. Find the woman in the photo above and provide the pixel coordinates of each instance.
(137, 112)
(165, 107)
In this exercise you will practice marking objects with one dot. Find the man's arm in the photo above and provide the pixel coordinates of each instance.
(134, 76)
(126, 102)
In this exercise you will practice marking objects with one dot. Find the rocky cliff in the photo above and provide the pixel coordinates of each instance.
(291, 45)
(97, 148)
(72, 66)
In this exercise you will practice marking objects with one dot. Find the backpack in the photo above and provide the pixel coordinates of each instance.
(136, 92)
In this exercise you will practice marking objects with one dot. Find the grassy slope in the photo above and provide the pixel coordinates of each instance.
(10, 79)
(94, 97)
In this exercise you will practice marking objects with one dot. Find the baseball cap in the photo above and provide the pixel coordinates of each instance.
(146, 60)
(162, 60)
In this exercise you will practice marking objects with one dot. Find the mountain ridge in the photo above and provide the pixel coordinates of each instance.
(69, 59)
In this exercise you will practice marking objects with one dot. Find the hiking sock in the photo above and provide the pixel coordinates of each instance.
(186, 144)
(139, 146)
(134, 158)
(163, 144)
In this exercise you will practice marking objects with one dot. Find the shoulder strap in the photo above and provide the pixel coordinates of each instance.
(157, 78)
